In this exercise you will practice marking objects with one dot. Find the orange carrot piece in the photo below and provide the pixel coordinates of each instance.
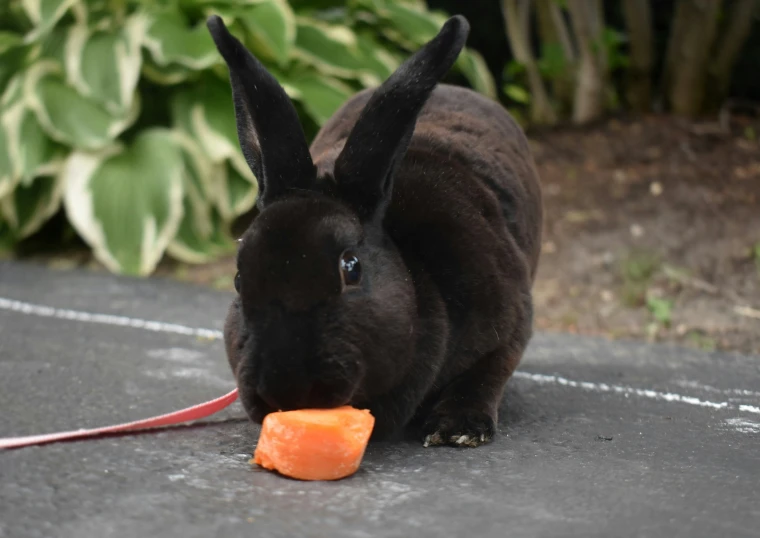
(314, 444)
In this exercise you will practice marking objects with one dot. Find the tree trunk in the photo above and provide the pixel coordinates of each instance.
(730, 45)
(541, 110)
(588, 104)
(553, 32)
(596, 23)
(638, 18)
(691, 39)
(547, 32)
(562, 31)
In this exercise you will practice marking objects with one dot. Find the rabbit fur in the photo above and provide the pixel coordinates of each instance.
(391, 264)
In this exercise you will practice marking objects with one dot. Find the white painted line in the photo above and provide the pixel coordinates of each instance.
(743, 426)
(632, 391)
(106, 319)
(710, 388)
(158, 326)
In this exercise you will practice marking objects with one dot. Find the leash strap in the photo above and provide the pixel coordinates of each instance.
(195, 412)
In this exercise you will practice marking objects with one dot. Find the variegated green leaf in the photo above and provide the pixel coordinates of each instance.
(104, 66)
(413, 26)
(321, 96)
(171, 40)
(376, 57)
(193, 245)
(126, 203)
(167, 75)
(239, 192)
(38, 154)
(200, 171)
(272, 27)
(44, 14)
(415, 4)
(11, 62)
(29, 151)
(8, 168)
(12, 144)
(219, 6)
(9, 40)
(7, 238)
(471, 64)
(52, 48)
(202, 233)
(31, 204)
(334, 50)
(67, 116)
(14, 92)
(206, 112)
(207, 116)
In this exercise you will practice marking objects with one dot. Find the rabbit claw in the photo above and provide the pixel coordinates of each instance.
(461, 429)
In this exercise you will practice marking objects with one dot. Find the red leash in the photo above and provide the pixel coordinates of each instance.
(195, 412)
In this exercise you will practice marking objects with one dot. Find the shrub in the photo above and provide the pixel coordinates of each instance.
(119, 112)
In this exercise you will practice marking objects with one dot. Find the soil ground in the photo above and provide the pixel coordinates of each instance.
(652, 231)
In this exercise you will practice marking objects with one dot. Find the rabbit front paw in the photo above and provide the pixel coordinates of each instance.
(460, 428)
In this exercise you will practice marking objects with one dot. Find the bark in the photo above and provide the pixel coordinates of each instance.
(596, 23)
(729, 46)
(547, 31)
(588, 103)
(691, 39)
(553, 30)
(515, 15)
(638, 18)
(562, 31)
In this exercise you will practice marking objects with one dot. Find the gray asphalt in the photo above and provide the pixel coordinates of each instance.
(596, 438)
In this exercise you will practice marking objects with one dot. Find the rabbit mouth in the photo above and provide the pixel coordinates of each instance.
(263, 394)
(258, 405)
(316, 395)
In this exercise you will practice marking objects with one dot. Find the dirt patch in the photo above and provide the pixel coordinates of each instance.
(652, 231)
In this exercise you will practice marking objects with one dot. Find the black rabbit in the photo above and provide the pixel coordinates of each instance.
(390, 266)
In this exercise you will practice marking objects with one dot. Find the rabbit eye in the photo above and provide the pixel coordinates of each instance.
(237, 282)
(350, 269)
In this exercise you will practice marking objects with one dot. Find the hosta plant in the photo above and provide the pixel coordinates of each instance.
(119, 112)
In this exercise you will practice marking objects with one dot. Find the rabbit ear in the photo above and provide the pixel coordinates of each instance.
(269, 131)
(377, 143)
